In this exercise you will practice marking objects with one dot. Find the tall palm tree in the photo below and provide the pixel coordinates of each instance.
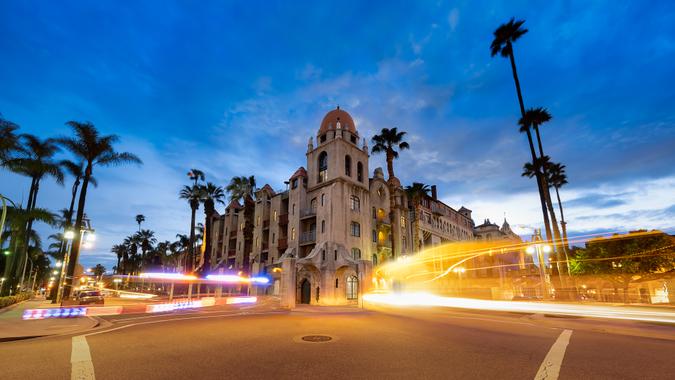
(140, 218)
(76, 170)
(387, 142)
(241, 187)
(181, 246)
(504, 37)
(192, 194)
(211, 194)
(416, 192)
(94, 150)
(557, 178)
(196, 175)
(35, 160)
(533, 118)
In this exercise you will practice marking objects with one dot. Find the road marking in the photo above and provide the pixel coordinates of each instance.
(180, 319)
(550, 367)
(80, 359)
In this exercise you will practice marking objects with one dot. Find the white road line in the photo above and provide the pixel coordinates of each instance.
(80, 359)
(550, 367)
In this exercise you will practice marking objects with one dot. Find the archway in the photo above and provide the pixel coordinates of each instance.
(305, 291)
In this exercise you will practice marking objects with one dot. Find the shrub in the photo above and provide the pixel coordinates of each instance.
(11, 300)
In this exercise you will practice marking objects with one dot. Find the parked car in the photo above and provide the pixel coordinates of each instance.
(89, 297)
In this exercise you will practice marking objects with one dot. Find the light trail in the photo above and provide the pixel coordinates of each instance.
(591, 311)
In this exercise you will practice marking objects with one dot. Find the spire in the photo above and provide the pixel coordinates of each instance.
(310, 144)
(365, 145)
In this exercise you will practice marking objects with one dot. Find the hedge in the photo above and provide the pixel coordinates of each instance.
(11, 300)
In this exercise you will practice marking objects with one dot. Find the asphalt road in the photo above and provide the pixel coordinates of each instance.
(255, 342)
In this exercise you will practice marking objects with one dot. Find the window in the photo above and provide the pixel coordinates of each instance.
(323, 226)
(402, 221)
(352, 288)
(295, 183)
(275, 215)
(356, 253)
(322, 138)
(242, 226)
(274, 240)
(374, 213)
(312, 204)
(323, 255)
(356, 229)
(359, 172)
(336, 283)
(355, 203)
(353, 139)
(374, 259)
(323, 167)
(292, 233)
(257, 221)
(293, 209)
(323, 199)
(348, 166)
(257, 242)
(374, 236)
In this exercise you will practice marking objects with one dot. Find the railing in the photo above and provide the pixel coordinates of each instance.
(437, 209)
(308, 237)
(307, 212)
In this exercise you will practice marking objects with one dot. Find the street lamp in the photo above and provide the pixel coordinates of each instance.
(539, 249)
(69, 234)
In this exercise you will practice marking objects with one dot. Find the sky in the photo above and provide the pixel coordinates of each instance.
(237, 88)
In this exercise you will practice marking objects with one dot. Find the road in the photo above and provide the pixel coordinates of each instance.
(262, 341)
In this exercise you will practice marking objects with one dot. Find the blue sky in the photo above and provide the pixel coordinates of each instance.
(236, 88)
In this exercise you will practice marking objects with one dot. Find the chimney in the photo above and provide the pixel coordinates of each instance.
(434, 195)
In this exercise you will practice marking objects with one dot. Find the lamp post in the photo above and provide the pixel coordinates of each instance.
(69, 235)
(539, 250)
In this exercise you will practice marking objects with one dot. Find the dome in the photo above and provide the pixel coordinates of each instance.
(330, 121)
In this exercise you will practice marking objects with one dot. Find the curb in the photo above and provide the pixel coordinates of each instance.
(96, 323)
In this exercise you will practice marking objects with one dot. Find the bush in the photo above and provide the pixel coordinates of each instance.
(11, 300)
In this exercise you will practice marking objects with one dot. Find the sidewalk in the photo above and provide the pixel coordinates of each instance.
(12, 327)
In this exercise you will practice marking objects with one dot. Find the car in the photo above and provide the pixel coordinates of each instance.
(89, 297)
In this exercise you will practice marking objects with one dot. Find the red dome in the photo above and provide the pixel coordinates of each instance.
(330, 121)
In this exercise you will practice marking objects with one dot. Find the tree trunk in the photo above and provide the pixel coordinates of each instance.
(390, 164)
(32, 199)
(75, 250)
(189, 263)
(529, 137)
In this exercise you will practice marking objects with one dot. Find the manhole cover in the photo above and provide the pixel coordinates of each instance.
(316, 338)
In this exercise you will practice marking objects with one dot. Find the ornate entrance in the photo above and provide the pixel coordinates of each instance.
(305, 291)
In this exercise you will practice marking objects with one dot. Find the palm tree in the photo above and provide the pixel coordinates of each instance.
(94, 150)
(241, 187)
(504, 37)
(387, 142)
(121, 251)
(196, 175)
(416, 192)
(210, 195)
(9, 141)
(140, 218)
(99, 270)
(181, 245)
(19, 239)
(35, 160)
(558, 178)
(146, 240)
(192, 194)
(77, 171)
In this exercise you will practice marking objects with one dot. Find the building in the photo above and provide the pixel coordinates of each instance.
(319, 238)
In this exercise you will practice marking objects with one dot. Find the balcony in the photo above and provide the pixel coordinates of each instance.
(265, 247)
(283, 219)
(307, 213)
(233, 234)
(308, 237)
(282, 243)
(231, 253)
(266, 224)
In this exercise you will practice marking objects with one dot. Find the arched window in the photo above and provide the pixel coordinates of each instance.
(348, 166)
(359, 172)
(355, 203)
(323, 167)
(355, 229)
(356, 253)
(293, 209)
(312, 204)
(323, 226)
(323, 199)
(352, 287)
